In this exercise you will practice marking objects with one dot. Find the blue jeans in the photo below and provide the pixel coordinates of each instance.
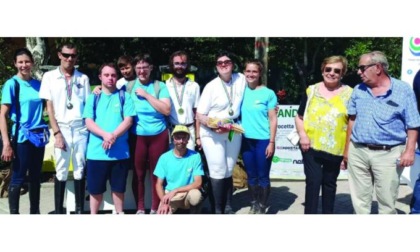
(415, 200)
(29, 160)
(257, 166)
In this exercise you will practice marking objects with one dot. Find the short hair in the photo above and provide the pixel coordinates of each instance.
(175, 54)
(378, 57)
(110, 64)
(143, 57)
(231, 56)
(68, 45)
(23, 51)
(335, 59)
(124, 60)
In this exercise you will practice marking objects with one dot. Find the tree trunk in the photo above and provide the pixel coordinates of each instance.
(261, 53)
(38, 48)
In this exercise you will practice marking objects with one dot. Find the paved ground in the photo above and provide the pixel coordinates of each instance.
(287, 197)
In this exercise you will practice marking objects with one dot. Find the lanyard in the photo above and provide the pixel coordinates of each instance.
(227, 95)
(69, 87)
(179, 98)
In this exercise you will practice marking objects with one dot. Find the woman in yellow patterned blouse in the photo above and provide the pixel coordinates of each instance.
(322, 128)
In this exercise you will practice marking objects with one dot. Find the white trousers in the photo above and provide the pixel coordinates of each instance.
(221, 154)
(75, 138)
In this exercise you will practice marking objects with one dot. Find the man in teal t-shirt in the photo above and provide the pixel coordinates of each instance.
(108, 120)
(181, 169)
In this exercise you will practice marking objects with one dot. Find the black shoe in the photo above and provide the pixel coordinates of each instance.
(79, 194)
(14, 196)
(34, 195)
(264, 193)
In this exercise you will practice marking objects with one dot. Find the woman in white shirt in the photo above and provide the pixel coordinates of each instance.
(221, 99)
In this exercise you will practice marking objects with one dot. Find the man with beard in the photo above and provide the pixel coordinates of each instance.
(182, 170)
(66, 91)
(184, 94)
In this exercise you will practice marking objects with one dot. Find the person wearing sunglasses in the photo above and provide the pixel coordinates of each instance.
(66, 90)
(383, 122)
(259, 120)
(185, 94)
(321, 122)
(151, 135)
(221, 100)
(26, 157)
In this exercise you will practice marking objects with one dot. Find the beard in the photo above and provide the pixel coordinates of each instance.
(180, 73)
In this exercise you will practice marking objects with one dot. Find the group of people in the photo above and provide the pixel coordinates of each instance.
(370, 130)
(141, 124)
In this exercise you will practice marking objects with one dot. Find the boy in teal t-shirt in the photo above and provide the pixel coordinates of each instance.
(108, 117)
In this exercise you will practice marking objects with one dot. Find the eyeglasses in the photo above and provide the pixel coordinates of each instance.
(143, 68)
(226, 62)
(363, 68)
(67, 55)
(181, 64)
(329, 69)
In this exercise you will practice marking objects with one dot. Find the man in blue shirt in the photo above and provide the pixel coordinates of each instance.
(382, 135)
(181, 169)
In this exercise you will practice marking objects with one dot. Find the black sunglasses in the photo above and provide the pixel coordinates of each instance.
(66, 55)
(363, 68)
(329, 69)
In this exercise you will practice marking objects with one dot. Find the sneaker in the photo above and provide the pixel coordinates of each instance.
(153, 211)
(140, 212)
(120, 213)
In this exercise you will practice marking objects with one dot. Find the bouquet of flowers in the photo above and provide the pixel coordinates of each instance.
(225, 123)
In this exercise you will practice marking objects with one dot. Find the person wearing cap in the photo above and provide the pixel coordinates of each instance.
(181, 169)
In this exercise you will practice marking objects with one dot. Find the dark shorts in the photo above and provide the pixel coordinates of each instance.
(98, 173)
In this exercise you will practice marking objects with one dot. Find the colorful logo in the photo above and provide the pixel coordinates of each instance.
(415, 46)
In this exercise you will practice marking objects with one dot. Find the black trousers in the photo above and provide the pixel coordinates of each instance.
(321, 171)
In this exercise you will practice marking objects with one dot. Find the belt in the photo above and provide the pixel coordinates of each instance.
(379, 147)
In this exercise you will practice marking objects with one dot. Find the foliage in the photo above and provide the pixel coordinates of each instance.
(293, 63)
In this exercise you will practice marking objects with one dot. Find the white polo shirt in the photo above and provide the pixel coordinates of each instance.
(189, 101)
(54, 88)
(215, 103)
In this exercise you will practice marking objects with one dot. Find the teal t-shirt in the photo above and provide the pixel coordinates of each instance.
(30, 104)
(178, 171)
(149, 121)
(254, 112)
(108, 118)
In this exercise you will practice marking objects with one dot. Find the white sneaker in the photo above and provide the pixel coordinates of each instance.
(140, 212)
(153, 211)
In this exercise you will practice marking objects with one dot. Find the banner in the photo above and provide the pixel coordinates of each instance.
(287, 161)
(410, 59)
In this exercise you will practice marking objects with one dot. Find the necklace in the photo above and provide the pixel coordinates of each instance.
(231, 112)
(179, 98)
(69, 88)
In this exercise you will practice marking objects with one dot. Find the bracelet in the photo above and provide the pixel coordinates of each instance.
(55, 133)
(271, 141)
(197, 138)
